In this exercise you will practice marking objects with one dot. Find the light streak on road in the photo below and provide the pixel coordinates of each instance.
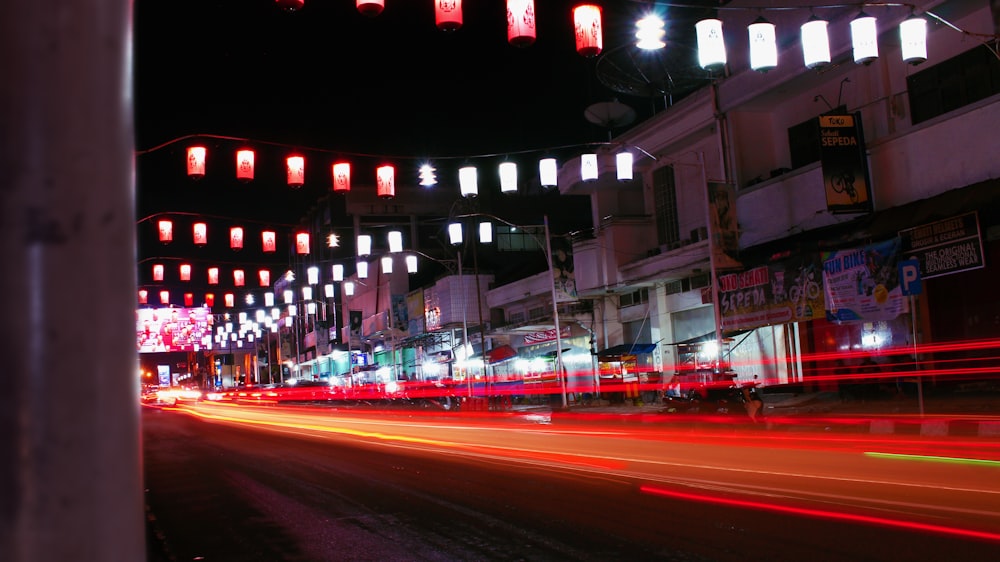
(931, 458)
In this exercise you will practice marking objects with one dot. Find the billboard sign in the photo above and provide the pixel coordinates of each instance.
(944, 247)
(171, 329)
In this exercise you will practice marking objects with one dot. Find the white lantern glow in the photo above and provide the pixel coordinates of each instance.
(649, 32)
(364, 245)
(328, 290)
(913, 36)
(312, 275)
(508, 177)
(288, 295)
(711, 44)
(864, 38)
(307, 293)
(395, 241)
(455, 233)
(362, 269)
(468, 181)
(269, 299)
(338, 272)
(349, 288)
(815, 43)
(588, 167)
(411, 263)
(623, 165)
(548, 172)
(763, 45)
(486, 232)
(386, 264)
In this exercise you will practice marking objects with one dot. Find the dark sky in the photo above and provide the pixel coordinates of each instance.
(328, 78)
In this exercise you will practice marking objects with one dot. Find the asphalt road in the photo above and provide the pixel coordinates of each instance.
(246, 484)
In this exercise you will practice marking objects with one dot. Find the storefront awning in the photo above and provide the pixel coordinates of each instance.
(500, 354)
(627, 349)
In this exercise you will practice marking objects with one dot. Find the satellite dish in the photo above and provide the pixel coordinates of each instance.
(610, 114)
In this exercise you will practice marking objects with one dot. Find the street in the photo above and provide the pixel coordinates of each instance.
(228, 482)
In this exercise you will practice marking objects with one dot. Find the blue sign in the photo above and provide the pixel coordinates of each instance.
(909, 277)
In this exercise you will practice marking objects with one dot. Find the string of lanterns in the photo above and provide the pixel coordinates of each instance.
(761, 34)
(385, 174)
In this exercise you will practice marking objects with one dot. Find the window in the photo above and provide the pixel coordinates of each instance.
(665, 200)
(536, 313)
(635, 297)
(954, 83)
(516, 317)
(514, 239)
(803, 141)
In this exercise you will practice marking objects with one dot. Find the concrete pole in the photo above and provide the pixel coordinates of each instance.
(69, 445)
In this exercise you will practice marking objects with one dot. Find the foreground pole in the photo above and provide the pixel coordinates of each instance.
(70, 473)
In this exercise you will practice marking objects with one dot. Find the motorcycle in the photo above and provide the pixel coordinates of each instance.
(720, 400)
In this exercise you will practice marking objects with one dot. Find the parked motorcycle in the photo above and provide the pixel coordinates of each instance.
(733, 399)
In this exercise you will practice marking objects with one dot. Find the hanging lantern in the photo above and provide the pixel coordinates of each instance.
(268, 238)
(362, 269)
(864, 38)
(508, 177)
(264, 276)
(371, 8)
(307, 293)
(623, 165)
(269, 299)
(588, 167)
(427, 174)
(164, 297)
(302, 243)
(189, 299)
(587, 26)
(349, 288)
(386, 181)
(448, 14)
(157, 272)
(386, 264)
(548, 171)
(209, 300)
(312, 275)
(455, 233)
(196, 162)
(290, 5)
(341, 177)
(244, 165)
(143, 296)
(411, 263)
(763, 45)
(338, 272)
(213, 276)
(296, 166)
(364, 245)
(711, 44)
(815, 43)
(486, 232)
(185, 272)
(288, 295)
(328, 290)
(468, 181)
(200, 233)
(395, 241)
(166, 228)
(239, 278)
(913, 33)
(236, 238)
(230, 300)
(521, 22)
(649, 32)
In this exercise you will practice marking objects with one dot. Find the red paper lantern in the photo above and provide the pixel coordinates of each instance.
(239, 278)
(213, 276)
(189, 299)
(236, 237)
(290, 5)
(371, 8)
(157, 272)
(209, 300)
(296, 171)
(267, 238)
(341, 177)
(185, 272)
(265, 277)
(143, 296)
(302, 243)
(200, 233)
(244, 165)
(448, 14)
(196, 162)
(164, 297)
(166, 228)
(230, 300)
(521, 22)
(386, 181)
(587, 27)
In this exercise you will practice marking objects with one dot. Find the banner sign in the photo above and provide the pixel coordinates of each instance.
(945, 247)
(789, 290)
(546, 335)
(722, 226)
(862, 284)
(845, 166)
